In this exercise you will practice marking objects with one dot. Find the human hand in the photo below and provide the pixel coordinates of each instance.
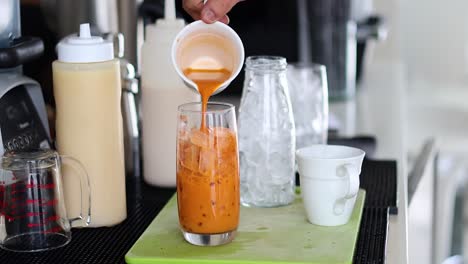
(212, 11)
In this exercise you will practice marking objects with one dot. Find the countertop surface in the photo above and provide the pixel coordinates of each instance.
(379, 109)
(265, 235)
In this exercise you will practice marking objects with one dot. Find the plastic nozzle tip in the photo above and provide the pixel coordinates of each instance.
(169, 9)
(85, 31)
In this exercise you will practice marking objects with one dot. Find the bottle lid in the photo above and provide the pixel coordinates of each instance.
(85, 48)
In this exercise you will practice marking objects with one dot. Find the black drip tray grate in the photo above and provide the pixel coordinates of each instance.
(109, 245)
(379, 179)
(372, 240)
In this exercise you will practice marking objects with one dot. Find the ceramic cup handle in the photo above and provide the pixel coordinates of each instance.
(351, 173)
(353, 180)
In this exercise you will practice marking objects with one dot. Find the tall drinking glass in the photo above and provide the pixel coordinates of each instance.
(207, 174)
(308, 90)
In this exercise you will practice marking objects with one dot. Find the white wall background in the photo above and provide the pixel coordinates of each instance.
(434, 36)
(429, 37)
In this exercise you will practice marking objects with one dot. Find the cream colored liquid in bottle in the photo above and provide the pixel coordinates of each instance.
(89, 124)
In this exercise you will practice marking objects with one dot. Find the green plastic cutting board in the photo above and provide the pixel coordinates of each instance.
(265, 235)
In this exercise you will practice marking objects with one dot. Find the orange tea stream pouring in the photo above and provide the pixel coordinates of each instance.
(207, 81)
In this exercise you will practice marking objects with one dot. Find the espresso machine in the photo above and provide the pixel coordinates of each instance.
(23, 117)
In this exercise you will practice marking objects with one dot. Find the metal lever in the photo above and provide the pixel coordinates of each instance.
(129, 105)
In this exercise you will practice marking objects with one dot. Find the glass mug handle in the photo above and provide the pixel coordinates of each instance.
(85, 188)
(351, 173)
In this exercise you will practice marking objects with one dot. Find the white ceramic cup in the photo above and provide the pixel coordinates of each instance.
(207, 46)
(329, 178)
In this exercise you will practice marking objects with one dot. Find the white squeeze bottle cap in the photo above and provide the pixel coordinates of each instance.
(165, 29)
(85, 48)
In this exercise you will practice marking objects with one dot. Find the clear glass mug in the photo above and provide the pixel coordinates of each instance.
(208, 195)
(32, 207)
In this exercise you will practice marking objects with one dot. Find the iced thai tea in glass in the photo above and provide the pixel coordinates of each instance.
(207, 173)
